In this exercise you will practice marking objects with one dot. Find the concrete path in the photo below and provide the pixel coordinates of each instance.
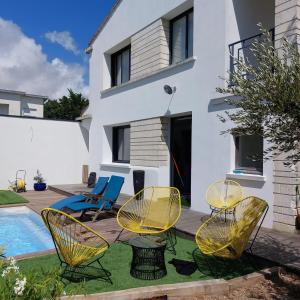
(279, 246)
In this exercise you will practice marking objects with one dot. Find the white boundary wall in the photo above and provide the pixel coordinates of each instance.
(57, 148)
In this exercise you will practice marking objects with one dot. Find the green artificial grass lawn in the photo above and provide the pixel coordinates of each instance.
(8, 197)
(118, 258)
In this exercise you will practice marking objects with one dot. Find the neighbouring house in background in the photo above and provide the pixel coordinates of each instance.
(16, 103)
(154, 105)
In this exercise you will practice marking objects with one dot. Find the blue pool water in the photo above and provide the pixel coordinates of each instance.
(22, 231)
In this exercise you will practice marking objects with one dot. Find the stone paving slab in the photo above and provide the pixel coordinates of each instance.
(281, 247)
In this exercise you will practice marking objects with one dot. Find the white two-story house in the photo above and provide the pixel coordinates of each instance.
(154, 69)
(17, 103)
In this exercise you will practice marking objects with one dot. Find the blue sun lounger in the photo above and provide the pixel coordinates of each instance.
(97, 190)
(105, 202)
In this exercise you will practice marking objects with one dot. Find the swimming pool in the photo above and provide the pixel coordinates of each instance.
(22, 231)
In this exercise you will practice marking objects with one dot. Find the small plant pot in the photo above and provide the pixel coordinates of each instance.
(39, 186)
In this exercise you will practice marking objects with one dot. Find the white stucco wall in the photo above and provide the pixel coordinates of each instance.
(57, 148)
(32, 107)
(14, 105)
(216, 24)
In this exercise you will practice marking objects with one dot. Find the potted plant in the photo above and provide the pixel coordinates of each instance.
(40, 184)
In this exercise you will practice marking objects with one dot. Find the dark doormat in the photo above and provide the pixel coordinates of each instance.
(183, 267)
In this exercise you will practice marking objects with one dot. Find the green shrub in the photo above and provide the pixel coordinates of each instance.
(35, 286)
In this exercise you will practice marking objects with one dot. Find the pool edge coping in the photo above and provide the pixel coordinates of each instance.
(35, 254)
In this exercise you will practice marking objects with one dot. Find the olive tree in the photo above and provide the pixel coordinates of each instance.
(267, 97)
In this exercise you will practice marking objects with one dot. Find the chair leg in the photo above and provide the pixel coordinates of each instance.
(206, 261)
(81, 217)
(75, 274)
(212, 211)
(171, 238)
(257, 231)
(97, 213)
(67, 270)
(95, 216)
(118, 237)
(210, 267)
(107, 273)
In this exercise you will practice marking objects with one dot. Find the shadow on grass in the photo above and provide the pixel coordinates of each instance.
(84, 273)
(184, 267)
(228, 269)
(118, 262)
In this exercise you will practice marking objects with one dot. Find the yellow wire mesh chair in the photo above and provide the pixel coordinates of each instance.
(223, 194)
(229, 238)
(153, 210)
(77, 245)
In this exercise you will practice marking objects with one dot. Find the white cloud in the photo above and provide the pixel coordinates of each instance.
(64, 39)
(24, 66)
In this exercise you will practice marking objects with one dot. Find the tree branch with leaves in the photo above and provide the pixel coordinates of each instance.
(67, 107)
(267, 97)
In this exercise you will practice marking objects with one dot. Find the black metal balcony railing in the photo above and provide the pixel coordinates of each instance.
(242, 50)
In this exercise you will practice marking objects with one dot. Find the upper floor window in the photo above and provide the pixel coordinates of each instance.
(120, 66)
(181, 37)
(121, 144)
(249, 154)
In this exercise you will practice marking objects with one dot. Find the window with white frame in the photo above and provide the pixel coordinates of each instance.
(121, 144)
(249, 154)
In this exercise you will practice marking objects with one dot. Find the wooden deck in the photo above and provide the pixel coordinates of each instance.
(69, 189)
(283, 248)
(106, 225)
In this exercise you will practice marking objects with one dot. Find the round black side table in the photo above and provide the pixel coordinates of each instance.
(148, 257)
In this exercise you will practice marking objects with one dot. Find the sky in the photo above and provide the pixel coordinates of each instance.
(42, 44)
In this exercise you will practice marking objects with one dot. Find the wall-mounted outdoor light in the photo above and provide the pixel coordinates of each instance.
(169, 90)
